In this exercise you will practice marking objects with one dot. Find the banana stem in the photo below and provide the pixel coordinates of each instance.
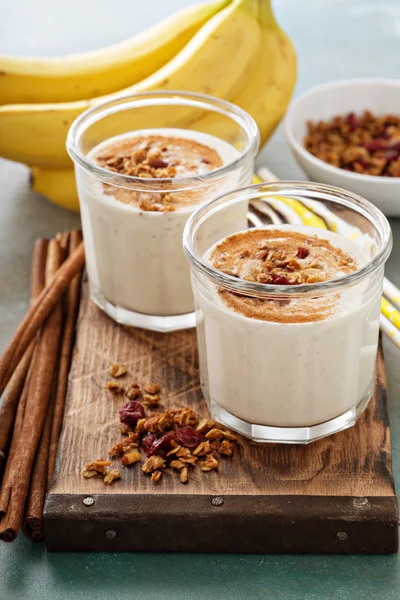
(266, 15)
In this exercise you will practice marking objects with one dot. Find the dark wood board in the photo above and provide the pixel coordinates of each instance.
(335, 495)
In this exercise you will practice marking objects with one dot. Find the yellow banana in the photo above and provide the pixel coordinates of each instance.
(80, 76)
(58, 185)
(214, 61)
(268, 87)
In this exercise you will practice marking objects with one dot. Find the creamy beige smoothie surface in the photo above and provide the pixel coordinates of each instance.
(280, 258)
(156, 157)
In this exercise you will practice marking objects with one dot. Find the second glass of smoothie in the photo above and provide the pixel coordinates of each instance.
(143, 164)
(288, 314)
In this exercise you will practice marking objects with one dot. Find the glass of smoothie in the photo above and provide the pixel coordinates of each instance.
(288, 314)
(143, 164)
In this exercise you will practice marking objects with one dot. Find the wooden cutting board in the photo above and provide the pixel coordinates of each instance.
(336, 495)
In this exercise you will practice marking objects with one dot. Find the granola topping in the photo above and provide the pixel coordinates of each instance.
(365, 144)
(280, 257)
(153, 157)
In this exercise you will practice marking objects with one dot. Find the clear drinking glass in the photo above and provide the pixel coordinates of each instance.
(137, 270)
(300, 380)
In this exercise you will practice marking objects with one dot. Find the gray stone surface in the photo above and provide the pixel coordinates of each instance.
(335, 39)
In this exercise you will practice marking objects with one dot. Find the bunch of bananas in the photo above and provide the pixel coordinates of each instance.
(233, 49)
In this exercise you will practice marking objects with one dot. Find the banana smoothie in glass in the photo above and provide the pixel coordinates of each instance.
(137, 189)
(287, 315)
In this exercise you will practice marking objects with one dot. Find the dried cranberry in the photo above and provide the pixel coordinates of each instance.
(363, 163)
(280, 280)
(352, 121)
(157, 163)
(302, 252)
(131, 413)
(148, 441)
(390, 154)
(189, 437)
(205, 161)
(374, 145)
(160, 443)
(395, 145)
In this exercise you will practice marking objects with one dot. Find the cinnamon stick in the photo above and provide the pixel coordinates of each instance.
(32, 525)
(62, 238)
(71, 314)
(38, 313)
(14, 389)
(16, 434)
(33, 522)
(15, 487)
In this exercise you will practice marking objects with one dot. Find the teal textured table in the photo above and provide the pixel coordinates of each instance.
(334, 39)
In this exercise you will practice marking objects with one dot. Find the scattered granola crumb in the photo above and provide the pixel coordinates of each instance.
(202, 449)
(230, 436)
(140, 426)
(116, 450)
(153, 463)
(117, 370)
(111, 476)
(133, 391)
(131, 457)
(183, 475)
(87, 474)
(210, 463)
(177, 464)
(185, 416)
(183, 452)
(98, 466)
(226, 448)
(151, 400)
(156, 476)
(215, 445)
(151, 388)
(174, 450)
(114, 386)
(206, 424)
(214, 434)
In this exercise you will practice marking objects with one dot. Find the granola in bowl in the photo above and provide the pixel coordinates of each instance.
(362, 143)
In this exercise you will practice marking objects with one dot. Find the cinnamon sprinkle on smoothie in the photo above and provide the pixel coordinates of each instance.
(156, 157)
(274, 257)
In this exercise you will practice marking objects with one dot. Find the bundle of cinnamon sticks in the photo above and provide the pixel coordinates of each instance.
(34, 372)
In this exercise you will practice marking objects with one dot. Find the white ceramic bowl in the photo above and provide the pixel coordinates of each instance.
(339, 98)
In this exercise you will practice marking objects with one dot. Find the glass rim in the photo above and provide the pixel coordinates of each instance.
(159, 98)
(288, 188)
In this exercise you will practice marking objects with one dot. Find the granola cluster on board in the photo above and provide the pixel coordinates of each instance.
(174, 441)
